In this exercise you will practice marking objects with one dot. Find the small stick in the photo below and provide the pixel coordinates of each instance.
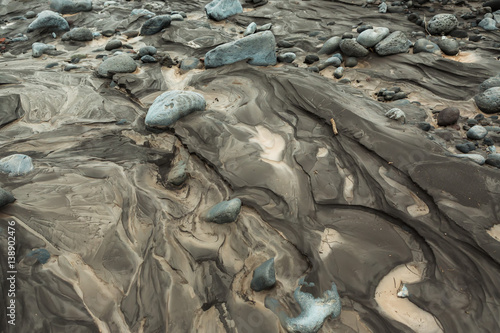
(334, 126)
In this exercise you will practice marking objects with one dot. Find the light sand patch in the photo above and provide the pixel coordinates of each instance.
(401, 309)
(466, 57)
(273, 145)
(322, 152)
(495, 232)
(330, 239)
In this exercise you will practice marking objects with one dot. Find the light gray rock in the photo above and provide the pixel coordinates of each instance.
(173, 105)
(71, 6)
(488, 24)
(224, 212)
(338, 73)
(264, 27)
(287, 57)
(382, 8)
(251, 28)
(142, 11)
(49, 20)
(177, 17)
(121, 63)
(477, 132)
(396, 114)
(397, 42)
(442, 24)
(424, 45)
(219, 10)
(489, 100)
(332, 61)
(258, 48)
(331, 46)
(40, 48)
(16, 165)
(351, 48)
(370, 37)
(264, 276)
(479, 159)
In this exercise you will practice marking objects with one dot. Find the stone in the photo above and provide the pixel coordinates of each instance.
(424, 126)
(363, 27)
(6, 197)
(224, 212)
(448, 116)
(493, 4)
(39, 255)
(382, 8)
(489, 100)
(189, 64)
(30, 14)
(177, 17)
(442, 24)
(449, 46)
(264, 27)
(397, 42)
(332, 61)
(147, 59)
(489, 83)
(264, 276)
(465, 147)
(338, 73)
(351, 48)
(78, 34)
(493, 159)
(459, 33)
(147, 50)
(16, 165)
(488, 24)
(396, 114)
(155, 24)
(477, 132)
(69, 67)
(259, 49)
(71, 6)
(219, 10)
(40, 48)
(49, 20)
(351, 62)
(371, 37)
(113, 44)
(310, 59)
(141, 11)
(173, 105)
(251, 28)
(287, 57)
(479, 159)
(177, 175)
(424, 45)
(121, 63)
(330, 46)
(286, 44)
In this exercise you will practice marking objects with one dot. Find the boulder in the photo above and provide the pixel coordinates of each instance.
(78, 34)
(121, 63)
(16, 165)
(371, 37)
(219, 10)
(49, 20)
(71, 6)
(397, 42)
(424, 45)
(442, 24)
(173, 105)
(224, 212)
(264, 276)
(330, 46)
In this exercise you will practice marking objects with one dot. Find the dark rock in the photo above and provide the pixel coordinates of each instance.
(424, 126)
(330, 46)
(310, 59)
(442, 24)
(494, 160)
(177, 175)
(424, 45)
(465, 147)
(393, 44)
(489, 100)
(147, 50)
(286, 44)
(219, 10)
(172, 106)
(449, 46)
(224, 212)
(78, 34)
(493, 4)
(264, 276)
(52, 64)
(413, 17)
(363, 27)
(49, 20)
(472, 122)
(350, 47)
(113, 44)
(189, 64)
(459, 33)
(71, 6)
(448, 116)
(147, 59)
(476, 38)
(6, 197)
(287, 57)
(339, 72)
(10, 109)
(477, 132)
(155, 24)
(489, 83)
(166, 60)
(121, 63)
(351, 62)
(347, 35)
(488, 141)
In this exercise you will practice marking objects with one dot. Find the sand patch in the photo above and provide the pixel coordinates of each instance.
(495, 232)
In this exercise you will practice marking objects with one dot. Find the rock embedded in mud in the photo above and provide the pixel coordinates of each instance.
(16, 165)
(39, 48)
(424, 45)
(177, 175)
(71, 6)
(448, 116)
(338, 73)
(396, 114)
(371, 37)
(224, 212)
(121, 63)
(78, 34)
(477, 132)
(251, 28)
(113, 44)
(6, 197)
(189, 64)
(155, 24)
(442, 24)
(10, 108)
(330, 46)
(397, 42)
(49, 20)
(259, 49)
(172, 106)
(449, 46)
(311, 59)
(219, 10)
(489, 100)
(351, 62)
(332, 61)
(351, 48)
(264, 276)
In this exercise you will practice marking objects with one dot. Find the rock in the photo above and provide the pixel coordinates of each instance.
(155, 24)
(264, 276)
(113, 44)
(177, 17)
(286, 44)
(177, 175)
(147, 59)
(6, 197)
(78, 34)
(479, 159)
(382, 8)
(259, 48)
(147, 50)
(448, 116)
(493, 159)
(39, 48)
(489, 100)
(221, 9)
(465, 147)
(16, 165)
(224, 212)
(489, 83)
(459, 33)
(351, 48)
(143, 12)
(189, 64)
(442, 24)
(310, 59)
(49, 20)
(71, 6)
(363, 27)
(330, 46)
(392, 44)
(493, 4)
(351, 62)
(173, 105)
(121, 63)
(370, 37)
(264, 27)
(39, 255)
(424, 126)
(166, 60)
(252, 27)
(332, 61)
(477, 132)
(424, 45)
(69, 67)
(30, 14)
(449, 46)
(488, 24)
(396, 114)
(338, 73)
(287, 57)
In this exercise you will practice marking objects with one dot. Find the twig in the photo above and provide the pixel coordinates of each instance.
(334, 126)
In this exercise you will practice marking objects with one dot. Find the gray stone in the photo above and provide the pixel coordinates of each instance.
(189, 64)
(351, 48)
(330, 46)
(264, 27)
(69, 67)
(10, 109)
(40, 48)
(396, 114)
(177, 175)
(465, 147)
(424, 45)
(147, 59)
(30, 14)
(155, 24)
(71, 6)
(332, 61)
(442, 24)
(147, 50)
(489, 83)
(259, 49)
(397, 42)
(448, 116)
(287, 57)
(251, 28)
(142, 11)
(224, 212)
(477, 132)
(177, 17)
(16, 165)
(6, 197)
(113, 44)
(8, 79)
(351, 62)
(493, 159)
(488, 24)
(219, 10)
(49, 20)
(449, 46)
(338, 73)
(382, 8)
(78, 34)
(371, 37)
(121, 63)
(489, 100)
(264, 276)
(479, 159)
(173, 105)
